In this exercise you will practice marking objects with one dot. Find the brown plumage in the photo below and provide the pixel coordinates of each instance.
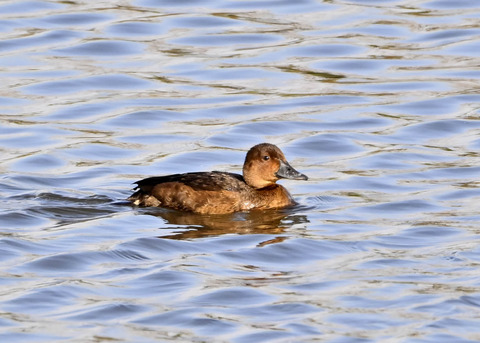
(220, 192)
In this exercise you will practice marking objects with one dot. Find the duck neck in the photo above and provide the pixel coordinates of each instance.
(273, 196)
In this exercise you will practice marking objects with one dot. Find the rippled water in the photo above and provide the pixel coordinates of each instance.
(378, 102)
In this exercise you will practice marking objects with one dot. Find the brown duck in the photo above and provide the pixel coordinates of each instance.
(221, 192)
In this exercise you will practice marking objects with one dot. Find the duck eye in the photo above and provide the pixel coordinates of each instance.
(266, 158)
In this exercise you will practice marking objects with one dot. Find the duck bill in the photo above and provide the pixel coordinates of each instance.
(286, 171)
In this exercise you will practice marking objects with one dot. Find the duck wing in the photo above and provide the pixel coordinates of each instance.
(199, 181)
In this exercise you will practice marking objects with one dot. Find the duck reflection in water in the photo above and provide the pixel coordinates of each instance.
(193, 226)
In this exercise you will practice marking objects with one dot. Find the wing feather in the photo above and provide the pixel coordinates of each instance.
(200, 181)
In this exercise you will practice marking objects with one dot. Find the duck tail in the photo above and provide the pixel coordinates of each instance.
(140, 198)
(136, 198)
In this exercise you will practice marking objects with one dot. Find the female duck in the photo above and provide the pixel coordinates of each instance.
(220, 192)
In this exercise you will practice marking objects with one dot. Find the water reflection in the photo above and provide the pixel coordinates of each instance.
(271, 222)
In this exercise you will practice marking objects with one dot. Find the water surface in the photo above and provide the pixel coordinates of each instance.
(376, 101)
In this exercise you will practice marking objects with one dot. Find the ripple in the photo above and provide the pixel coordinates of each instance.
(171, 3)
(278, 311)
(454, 172)
(232, 297)
(201, 22)
(80, 261)
(143, 118)
(263, 336)
(464, 49)
(20, 220)
(38, 163)
(269, 127)
(398, 86)
(447, 36)
(21, 246)
(39, 39)
(159, 247)
(43, 300)
(283, 6)
(26, 138)
(325, 50)
(295, 252)
(223, 40)
(34, 337)
(99, 152)
(82, 112)
(445, 4)
(420, 237)
(163, 283)
(136, 29)
(434, 129)
(28, 6)
(62, 262)
(328, 144)
(404, 206)
(102, 48)
(440, 106)
(234, 74)
(367, 321)
(106, 312)
(7, 101)
(187, 319)
(7, 26)
(75, 19)
(110, 82)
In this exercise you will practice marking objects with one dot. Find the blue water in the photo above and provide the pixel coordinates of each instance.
(376, 101)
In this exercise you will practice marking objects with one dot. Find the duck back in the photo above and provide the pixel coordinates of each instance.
(201, 192)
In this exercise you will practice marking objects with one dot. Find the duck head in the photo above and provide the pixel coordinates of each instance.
(265, 164)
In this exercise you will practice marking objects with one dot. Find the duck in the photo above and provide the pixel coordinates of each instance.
(218, 192)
